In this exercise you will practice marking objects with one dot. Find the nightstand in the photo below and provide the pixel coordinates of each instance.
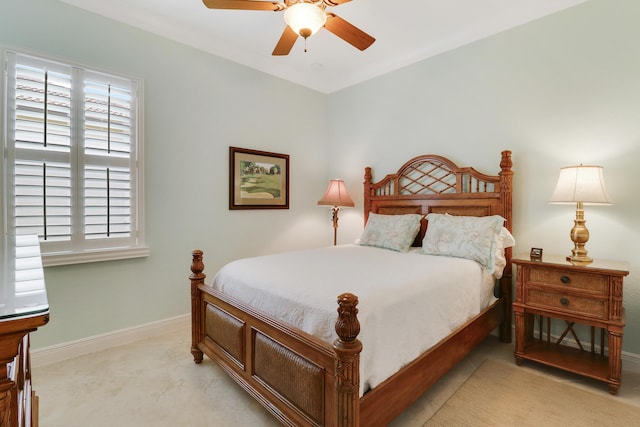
(554, 289)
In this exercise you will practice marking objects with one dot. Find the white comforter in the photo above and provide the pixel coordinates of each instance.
(408, 301)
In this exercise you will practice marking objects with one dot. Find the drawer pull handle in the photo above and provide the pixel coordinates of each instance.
(564, 301)
(565, 279)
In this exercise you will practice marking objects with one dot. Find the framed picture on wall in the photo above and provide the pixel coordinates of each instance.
(258, 179)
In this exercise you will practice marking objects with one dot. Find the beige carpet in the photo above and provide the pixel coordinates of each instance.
(154, 382)
(500, 394)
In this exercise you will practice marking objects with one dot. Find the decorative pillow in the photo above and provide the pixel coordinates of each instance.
(502, 240)
(396, 232)
(471, 237)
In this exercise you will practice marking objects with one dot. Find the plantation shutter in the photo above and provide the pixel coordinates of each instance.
(72, 145)
(41, 140)
(108, 155)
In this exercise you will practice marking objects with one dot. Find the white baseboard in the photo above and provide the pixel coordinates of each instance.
(631, 362)
(59, 352)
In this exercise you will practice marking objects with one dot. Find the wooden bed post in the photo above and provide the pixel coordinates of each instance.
(506, 177)
(348, 348)
(197, 278)
(367, 193)
(506, 286)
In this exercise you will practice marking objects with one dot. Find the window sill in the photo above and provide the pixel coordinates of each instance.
(68, 258)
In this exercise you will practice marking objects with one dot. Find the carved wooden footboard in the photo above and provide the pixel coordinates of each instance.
(301, 380)
(304, 381)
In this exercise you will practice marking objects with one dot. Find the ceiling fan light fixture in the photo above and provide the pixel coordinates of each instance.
(305, 18)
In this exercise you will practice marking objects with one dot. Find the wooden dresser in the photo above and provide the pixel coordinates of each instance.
(23, 308)
(554, 290)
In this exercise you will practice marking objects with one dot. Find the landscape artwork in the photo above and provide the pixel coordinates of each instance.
(258, 179)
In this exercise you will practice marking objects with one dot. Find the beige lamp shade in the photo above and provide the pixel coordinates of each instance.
(581, 184)
(336, 195)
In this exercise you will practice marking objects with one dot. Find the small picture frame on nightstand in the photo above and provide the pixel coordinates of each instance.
(536, 254)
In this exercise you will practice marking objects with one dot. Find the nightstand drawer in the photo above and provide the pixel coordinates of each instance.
(571, 304)
(592, 282)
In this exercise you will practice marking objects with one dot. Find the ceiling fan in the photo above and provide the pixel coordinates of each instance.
(304, 18)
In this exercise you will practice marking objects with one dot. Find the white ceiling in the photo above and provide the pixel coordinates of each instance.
(406, 31)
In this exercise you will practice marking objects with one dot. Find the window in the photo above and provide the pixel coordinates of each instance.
(72, 170)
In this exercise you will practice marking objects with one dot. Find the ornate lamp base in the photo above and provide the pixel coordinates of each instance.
(579, 236)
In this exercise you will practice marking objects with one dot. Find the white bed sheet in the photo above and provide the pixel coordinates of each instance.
(408, 302)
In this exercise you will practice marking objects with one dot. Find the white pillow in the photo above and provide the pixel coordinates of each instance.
(396, 232)
(471, 237)
(502, 240)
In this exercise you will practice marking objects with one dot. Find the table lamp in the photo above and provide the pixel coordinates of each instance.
(581, 185)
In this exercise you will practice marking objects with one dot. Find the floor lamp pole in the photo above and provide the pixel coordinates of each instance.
(334, 218)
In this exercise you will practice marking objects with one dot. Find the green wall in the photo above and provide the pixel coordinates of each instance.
(196, 106)
(558, 91)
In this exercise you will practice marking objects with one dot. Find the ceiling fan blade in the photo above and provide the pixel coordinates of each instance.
(286, 42)
(244, 5)
(330, 3)
(348, 32)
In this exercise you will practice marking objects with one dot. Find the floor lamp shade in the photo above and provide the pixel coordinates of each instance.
(336, 196)
(580, 185)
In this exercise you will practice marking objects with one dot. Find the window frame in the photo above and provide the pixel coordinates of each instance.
(84, 250)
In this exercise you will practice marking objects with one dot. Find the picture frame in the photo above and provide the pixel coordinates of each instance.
(258, 179)
(536, 254)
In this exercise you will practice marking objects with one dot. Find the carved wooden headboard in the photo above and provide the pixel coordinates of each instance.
(433, 183)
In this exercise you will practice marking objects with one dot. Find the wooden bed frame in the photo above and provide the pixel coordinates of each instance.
(304, 381)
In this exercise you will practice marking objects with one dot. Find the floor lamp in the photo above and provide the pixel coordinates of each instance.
(336, 196)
